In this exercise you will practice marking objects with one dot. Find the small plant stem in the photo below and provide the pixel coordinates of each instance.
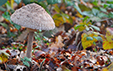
(30, 44)
(12, 1)
(78, 46)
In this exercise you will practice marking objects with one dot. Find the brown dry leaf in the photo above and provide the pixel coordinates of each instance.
(23, 36)
(1, 18)
(2, 30)
(82, 2)
(58, 42)
(39, 53)
(89, 5)
(86, 4)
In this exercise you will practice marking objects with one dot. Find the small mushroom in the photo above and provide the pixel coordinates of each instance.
(33, 17)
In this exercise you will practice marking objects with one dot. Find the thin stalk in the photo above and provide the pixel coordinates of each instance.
(30, 44)
(12, 2)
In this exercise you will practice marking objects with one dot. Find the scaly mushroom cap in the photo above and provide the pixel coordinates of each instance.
(33, 16)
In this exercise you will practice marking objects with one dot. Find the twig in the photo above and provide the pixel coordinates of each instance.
(40, 68)
(78, 46)
(7, 69)
(77, 35)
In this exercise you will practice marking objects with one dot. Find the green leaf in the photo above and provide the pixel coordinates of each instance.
(27, 59)
(95, 3)
(4, 25)
(95, 11)
(89, 38)
(54, 1)
(103, 9)
(22, 59)
(78, 26)
(6, 15)
(87, 13)
(8, 5)
(95, 27)
(17, 1)
(69, 3)
(87, 29)
(17, 26)
(40, 0)
(26, 1)
(72, 3)
(86, 18)
(2, 2)
(98, 38)
(78, 9)
(26, 63)
(95, 18)
(3, 47)
(10, 34)
(41, 64)
(110, 14)
(101, 15)
(111, 6)
(2, 9)
(105, 5)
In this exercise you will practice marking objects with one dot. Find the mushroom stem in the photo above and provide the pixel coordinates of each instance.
(30, 44)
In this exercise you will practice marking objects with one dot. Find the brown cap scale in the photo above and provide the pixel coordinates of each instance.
(32, 16)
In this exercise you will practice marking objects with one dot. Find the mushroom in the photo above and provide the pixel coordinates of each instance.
(33, 17)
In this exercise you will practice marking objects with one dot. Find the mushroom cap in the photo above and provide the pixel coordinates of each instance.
(33, 16)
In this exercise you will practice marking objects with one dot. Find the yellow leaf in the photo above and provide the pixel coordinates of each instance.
(109, 68)
(79, 15)
(58, 19)
(1, 60)
(107, 45)
(3, 56)
(83, 27)
(109, 34)
(105, 69)
(108, 42)
(65, 68)
(87, 43)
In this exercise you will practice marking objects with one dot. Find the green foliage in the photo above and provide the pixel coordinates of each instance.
(26, 1)
(6, 15)
(41, 64)
(89, 38)
(2, 9)
(72, 3)
(53, 1)
(2, 2)
(78, 26)
(17, 1)
(38, 35)
(25, 61)
(4, 25)
(95, 27)
(3, 47)
(98, 38)
(40, 0)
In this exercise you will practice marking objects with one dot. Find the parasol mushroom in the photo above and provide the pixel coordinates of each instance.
(33, 17)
